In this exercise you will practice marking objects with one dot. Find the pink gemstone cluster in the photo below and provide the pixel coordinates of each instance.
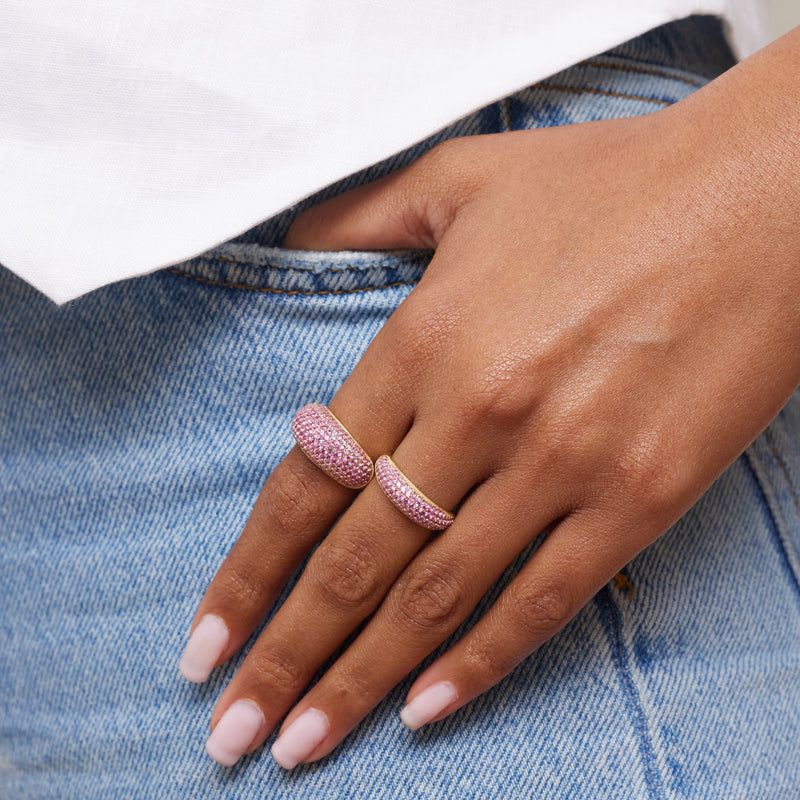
(331, 447)
(408, 498)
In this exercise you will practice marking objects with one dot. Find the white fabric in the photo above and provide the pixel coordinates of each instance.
(138, 133)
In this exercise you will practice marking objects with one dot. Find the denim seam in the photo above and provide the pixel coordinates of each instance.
(784, 468)
(269, 290)
(285, 268)
(652, 775)
(574, 90)
(779, 521)
(505, 114)
(641, 71)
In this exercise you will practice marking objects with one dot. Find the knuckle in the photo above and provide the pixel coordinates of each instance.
(274, 666)
(352, 688)
(499, 393)
(293, 503)
(533, 617)
(650, 474)
(243, 587)
(347, 570)
(540, 611)
(432, 598)
(486, 664)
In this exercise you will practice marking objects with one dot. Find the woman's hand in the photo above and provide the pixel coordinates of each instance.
(611, 316)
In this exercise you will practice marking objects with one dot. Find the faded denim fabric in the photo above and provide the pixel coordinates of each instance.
(137, 425)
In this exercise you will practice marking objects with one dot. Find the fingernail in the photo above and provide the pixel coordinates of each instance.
(235, 732)
(301, 738)
(204, 648)
(425, 706)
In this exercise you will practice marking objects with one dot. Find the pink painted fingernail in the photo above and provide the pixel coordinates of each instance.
(301, 738)
(204, 648)
(425, 706)
(235, 732)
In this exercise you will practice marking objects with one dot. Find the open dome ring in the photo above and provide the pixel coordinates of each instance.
(410, 500)
(330, 446)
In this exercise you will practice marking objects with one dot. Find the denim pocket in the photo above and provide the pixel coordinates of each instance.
(278, 271)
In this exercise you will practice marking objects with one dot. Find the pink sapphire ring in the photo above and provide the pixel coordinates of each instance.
(331, 446)
(410, 500)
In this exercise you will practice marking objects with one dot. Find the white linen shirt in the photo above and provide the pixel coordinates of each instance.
(135, 134)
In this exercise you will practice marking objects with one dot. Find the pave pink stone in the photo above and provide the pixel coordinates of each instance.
(408, 498)
(331, 446)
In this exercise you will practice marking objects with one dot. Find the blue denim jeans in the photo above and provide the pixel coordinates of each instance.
(137, 425)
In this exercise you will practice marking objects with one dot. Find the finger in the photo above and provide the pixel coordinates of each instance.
(409, 208)
(433, 596)
(570, 567)
(296, 507)
(345, 580)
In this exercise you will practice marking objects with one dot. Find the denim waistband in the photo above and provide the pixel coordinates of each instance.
(697, 44)
(650, 72)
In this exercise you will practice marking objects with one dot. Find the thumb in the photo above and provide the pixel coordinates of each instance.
(410, 208)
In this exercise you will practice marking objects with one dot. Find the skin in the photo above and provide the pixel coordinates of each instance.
(611, 316)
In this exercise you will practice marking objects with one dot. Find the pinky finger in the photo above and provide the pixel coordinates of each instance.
(573, 563)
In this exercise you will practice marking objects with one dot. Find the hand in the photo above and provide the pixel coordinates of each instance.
(608, 321)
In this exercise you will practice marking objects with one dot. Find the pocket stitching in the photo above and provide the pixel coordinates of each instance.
(620, 95)
(270, 290)
(388, 259)
(640, 71)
